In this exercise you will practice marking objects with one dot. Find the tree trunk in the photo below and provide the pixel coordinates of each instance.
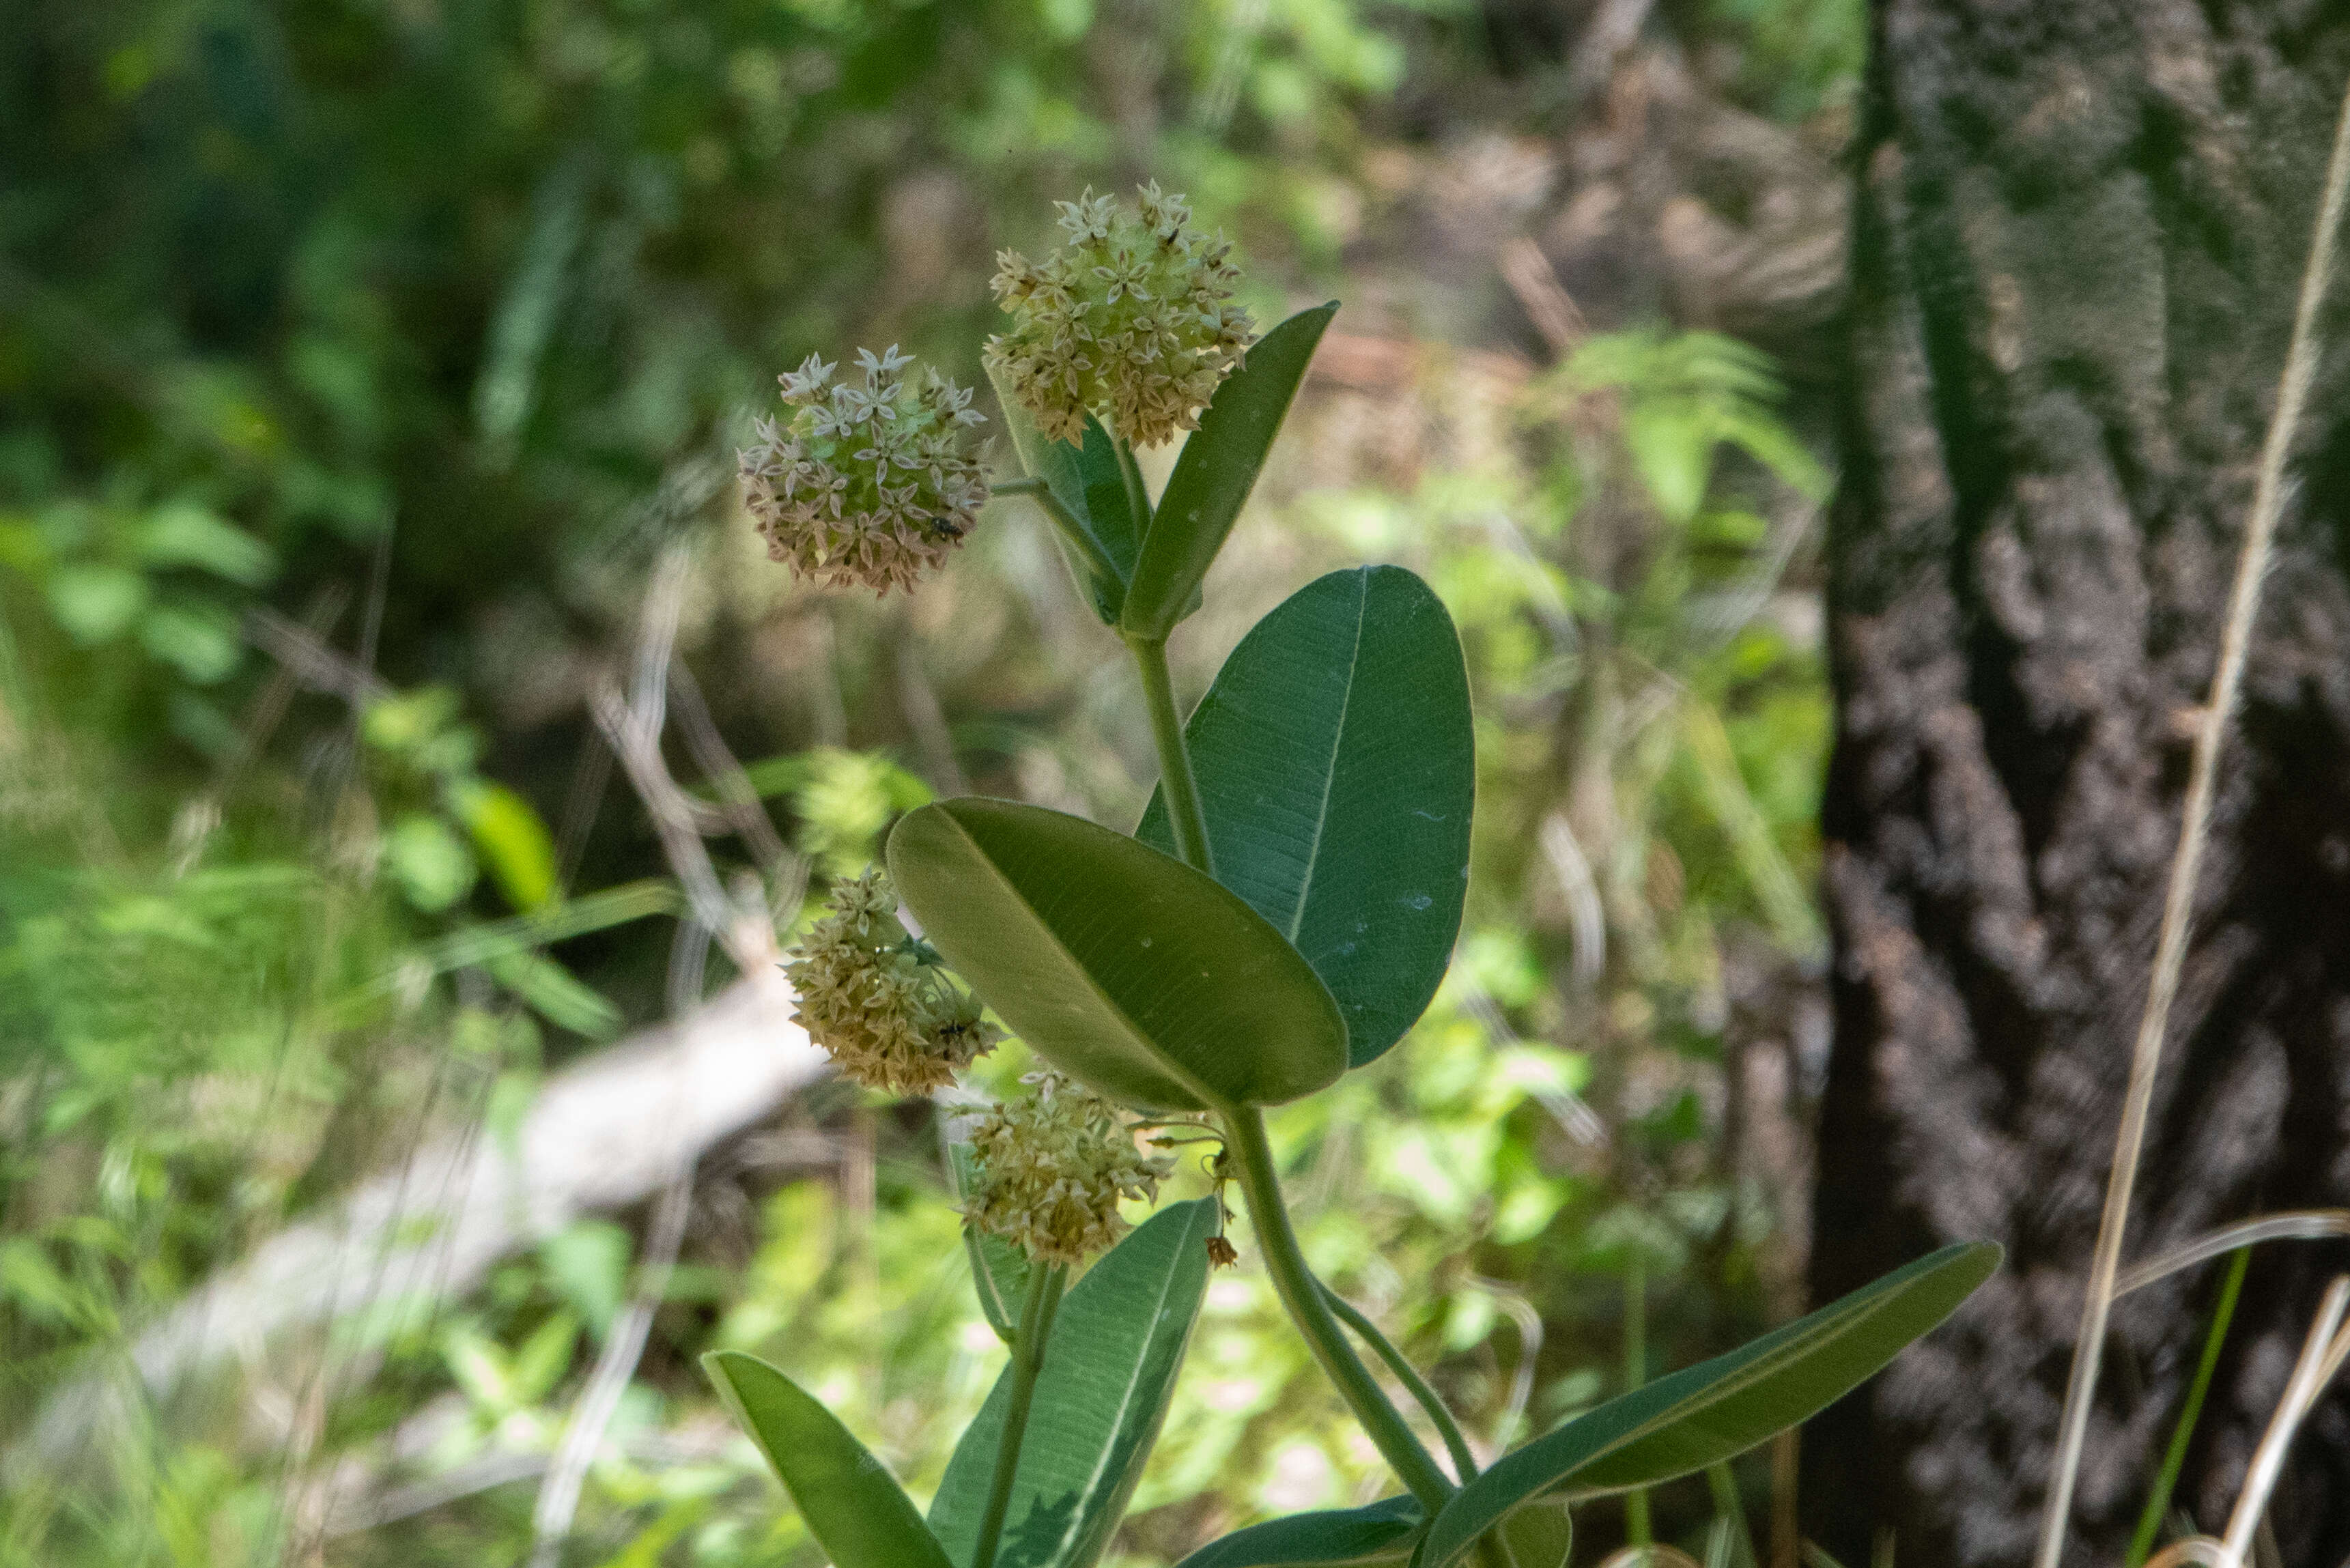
(2079, 229)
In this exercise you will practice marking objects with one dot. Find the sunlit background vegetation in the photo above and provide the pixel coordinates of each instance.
(370, 372)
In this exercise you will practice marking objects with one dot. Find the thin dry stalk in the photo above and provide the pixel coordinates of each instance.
(2321, 1356)
(2295, 1225)
(2170, 952)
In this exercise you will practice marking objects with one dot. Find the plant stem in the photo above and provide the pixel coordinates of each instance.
(1464, 1462)
(1723, 1482)
(2302, 356)
(1175, 780)
(1309, 1309)
(1077, 534)
(1635, 1372)
(2158, 1502)
(1036, 1310)
(1137, 494)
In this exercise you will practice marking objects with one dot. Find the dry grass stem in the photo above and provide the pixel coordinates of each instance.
(2321, 1358)
(2244, 603)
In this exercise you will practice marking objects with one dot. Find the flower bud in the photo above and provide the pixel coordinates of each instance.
(1130, 320)
(864, 486)
(1052, 1168)
(877, 1001)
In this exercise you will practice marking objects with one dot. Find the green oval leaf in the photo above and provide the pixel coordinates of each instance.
(1215, 473)
(1720, 1407)
(851, 1503)
(1109, 1372)
(1383, 1532)
(1337, 769)
(1121, 966)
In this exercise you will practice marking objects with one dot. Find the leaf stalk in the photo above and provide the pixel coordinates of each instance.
(1302, 1294)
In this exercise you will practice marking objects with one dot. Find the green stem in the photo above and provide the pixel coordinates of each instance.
(1309, 1309)
(1036, 1310)
(1732, 1510)
(1175, 780)
(1137, 494)
(1464, 1463)
(1075, 534)
(1636, 1373)
(2158, 1502)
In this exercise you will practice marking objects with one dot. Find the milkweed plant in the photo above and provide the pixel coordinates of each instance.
(1280, 915)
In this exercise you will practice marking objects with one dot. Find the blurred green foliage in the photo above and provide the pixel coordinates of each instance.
(358, 358)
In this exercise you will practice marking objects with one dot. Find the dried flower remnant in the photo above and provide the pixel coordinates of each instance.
(1051, 1168)
(1131, 319)
(864, 486)
(878, 1000)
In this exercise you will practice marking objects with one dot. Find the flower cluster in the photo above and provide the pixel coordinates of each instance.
(864, 485)
(1052, 1168)
(1131, 319)
(877, 999)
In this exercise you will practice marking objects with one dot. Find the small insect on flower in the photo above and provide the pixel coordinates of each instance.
(878, 1000)
(866, 486)
(1131, 319)
(1052, 1168)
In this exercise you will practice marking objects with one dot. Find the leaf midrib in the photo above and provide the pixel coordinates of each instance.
(1126, 1399)
(1330, 768)
(1134, 1032)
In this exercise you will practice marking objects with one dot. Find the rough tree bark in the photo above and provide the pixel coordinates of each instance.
(2078, 231)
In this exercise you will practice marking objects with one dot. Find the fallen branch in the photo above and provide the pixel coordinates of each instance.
(607, 1134)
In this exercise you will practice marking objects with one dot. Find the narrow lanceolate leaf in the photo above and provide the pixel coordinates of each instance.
(1107, 502)
(1213, 475)
(1121, 966)
(852, 1505)
(1109, 1372)
(1337, 769)
(1720, 1407)
(1383, 1532)
(1077, 478)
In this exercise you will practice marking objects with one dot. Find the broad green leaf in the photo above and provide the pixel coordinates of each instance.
(511, 838)
(1121, 966)
(181, 534)
(852, 1505)
(1088, 486)
(1337, 770)
(1720, 1407)
(1383, 1532)
(999, 1271)
(1214, 474)
(1109, 1371)
(1541, 1535)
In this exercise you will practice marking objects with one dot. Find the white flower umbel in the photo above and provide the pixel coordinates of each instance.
(877, 1001)
(1130, 320)
(1051, 1168)
(866, 486)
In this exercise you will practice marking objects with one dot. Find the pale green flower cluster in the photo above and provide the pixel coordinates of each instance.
(1130, 320)
(877, 1001)
(1051, 1168)
(864, 486)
